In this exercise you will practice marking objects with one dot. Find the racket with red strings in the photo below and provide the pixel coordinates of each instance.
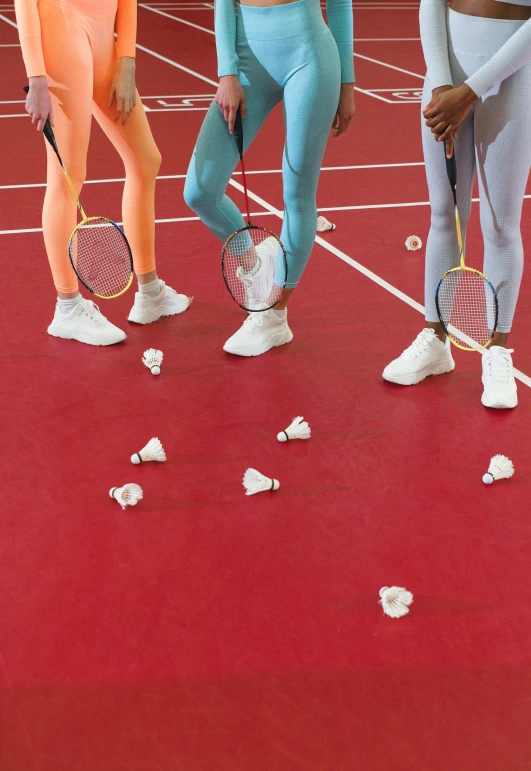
(253, 259)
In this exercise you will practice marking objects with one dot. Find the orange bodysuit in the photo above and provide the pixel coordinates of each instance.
(72, 43)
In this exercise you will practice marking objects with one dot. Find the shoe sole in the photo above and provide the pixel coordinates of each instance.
(149, 318)
(98, 341)
(284, 337)
(413, 379)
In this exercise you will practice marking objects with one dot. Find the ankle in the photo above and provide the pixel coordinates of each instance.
(151, 289)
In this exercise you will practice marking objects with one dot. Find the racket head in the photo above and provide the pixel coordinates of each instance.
(101, 257)
(467, 306)
(255, 268)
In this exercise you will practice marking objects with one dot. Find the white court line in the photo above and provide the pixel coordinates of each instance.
(176, 18)
(178, 66)
(391, 66)
(8, 21)
(9, 45)
(236, 173)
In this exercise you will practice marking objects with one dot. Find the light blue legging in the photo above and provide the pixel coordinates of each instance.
(285, 53)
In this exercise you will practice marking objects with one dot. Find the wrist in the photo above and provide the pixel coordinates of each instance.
(38, 81)
(228, 78)
(467, 94)
(127, 63)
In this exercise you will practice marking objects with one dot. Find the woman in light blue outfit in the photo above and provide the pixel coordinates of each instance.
(269, 53)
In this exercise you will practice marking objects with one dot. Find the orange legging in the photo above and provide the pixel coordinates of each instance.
(80, 59)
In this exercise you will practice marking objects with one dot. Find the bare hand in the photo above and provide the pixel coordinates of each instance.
(123, 89)
(229, 96)
(39, 103)
(447, 110)
(345, 110)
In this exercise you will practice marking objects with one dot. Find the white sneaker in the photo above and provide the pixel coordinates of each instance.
(86, 324)
(259, 333)
(258, 285)
(498, 379)
(425, 356)
(167, 303)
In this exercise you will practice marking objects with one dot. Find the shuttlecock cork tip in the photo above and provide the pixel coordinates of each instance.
(488, 479)
(282, 436)
(155, 370)
(136, 459)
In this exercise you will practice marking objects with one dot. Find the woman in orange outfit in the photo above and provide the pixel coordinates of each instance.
(76, 70)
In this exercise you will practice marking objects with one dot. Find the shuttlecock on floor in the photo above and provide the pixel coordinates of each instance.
(413, 243)
(500, 468)
(128, 495)
(152, 360)
(152, 451)
(298, 429)
(255, 482)
(323, 224)
(395, 601)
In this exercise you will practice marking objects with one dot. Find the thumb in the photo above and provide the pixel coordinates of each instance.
(51, 118)
(112, 93)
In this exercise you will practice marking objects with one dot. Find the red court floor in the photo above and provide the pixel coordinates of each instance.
(204, 630)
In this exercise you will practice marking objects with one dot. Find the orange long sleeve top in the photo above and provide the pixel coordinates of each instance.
(29, 28)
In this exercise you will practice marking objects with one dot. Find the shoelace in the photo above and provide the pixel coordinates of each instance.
(91, 310)
(419, 345)
(499, 364)
(255, 320)
(246, 280)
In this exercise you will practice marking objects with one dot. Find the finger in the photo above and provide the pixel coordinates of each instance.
(243, 106)
(51, 118)
(430, 111)
(439, 128)
(232, 118)
(112, 94)
(119, 108)
(428, 107)
(447, 135)
(437, 118)
(449, 148)
(342, 127)
(40, 125)
(335, 122)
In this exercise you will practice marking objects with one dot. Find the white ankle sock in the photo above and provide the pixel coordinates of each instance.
(65, 306)
(281, 315)
(152, 289)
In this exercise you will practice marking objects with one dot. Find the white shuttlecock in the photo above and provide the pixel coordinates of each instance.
(152, 360)
(152, 451)
(298, 429)
(413, 243)
(255, 482)
(323, 224)
(128, 495)
(395, 601)
(500, 468)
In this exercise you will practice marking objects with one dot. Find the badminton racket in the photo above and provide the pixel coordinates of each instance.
(253, 259)
(467, 304)
(98, 249)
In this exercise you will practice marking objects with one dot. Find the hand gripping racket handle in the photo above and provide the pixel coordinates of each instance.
(451, 170)
(48, 133)
(238, 132)
(238, 138)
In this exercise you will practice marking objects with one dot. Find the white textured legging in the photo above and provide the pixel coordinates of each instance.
(493, 141)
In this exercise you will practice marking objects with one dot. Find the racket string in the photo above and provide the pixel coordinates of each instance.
(101, 257)
(467, 302)
(254, 268)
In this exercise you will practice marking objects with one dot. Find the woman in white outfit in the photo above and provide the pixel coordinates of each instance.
(477, 96)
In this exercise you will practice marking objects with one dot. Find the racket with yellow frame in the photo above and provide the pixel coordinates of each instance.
(467, 303)
(98, 249)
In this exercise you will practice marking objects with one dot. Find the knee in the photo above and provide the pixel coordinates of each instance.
(147, 165)
(502, 234)
(195, 195)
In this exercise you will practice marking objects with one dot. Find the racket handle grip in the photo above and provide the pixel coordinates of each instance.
(238, 132)
(48, 132)
(451, 168)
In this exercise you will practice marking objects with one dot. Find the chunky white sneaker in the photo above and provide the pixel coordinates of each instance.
(86, 324)
(258, 285)
(425, 356)
(167, 303)
(498, 379)
(259, 333)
